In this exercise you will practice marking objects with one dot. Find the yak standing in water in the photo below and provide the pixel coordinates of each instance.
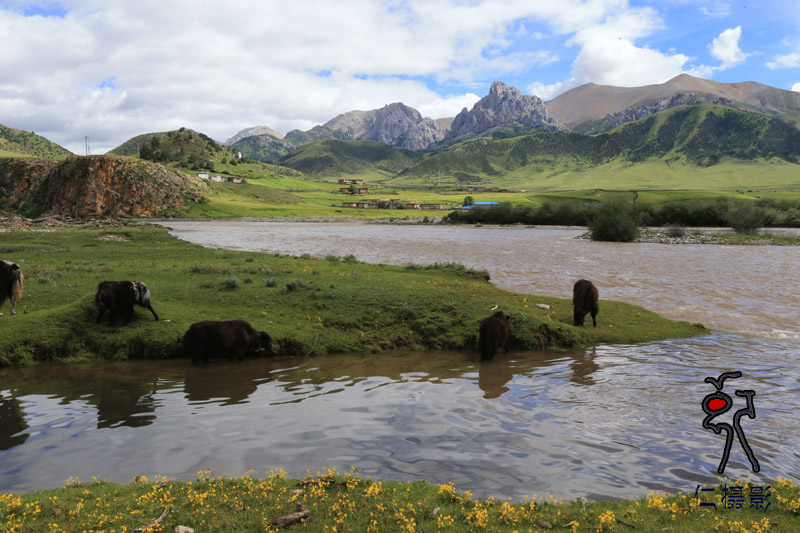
(494, 333)
(11, 284)
(119, 297)
(226, 338)
(584, 300)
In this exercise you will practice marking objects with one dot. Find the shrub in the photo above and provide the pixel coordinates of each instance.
(674, 230)
(616, 221)
(271, 282)
(232, 282)
(744, 217)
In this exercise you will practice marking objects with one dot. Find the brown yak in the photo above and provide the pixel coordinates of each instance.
(494, 333)
(584, 300)
(226, 338)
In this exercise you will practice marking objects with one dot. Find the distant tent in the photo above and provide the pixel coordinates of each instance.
(479, 204)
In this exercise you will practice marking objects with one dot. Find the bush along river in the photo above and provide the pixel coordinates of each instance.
(610, 421)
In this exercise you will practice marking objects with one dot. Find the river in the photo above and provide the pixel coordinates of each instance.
(611, 421)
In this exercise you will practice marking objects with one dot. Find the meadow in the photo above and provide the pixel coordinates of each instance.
(278, 191)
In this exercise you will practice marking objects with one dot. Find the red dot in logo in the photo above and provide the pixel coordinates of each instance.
(717, 403)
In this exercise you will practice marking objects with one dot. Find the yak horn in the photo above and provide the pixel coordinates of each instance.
(493, 308)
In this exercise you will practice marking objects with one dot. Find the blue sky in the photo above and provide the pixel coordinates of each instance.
(113, 69)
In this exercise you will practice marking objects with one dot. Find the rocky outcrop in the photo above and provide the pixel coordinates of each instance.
(394, 124)
(94, 187)
(504, 107)
(250, 132)
(611, 121)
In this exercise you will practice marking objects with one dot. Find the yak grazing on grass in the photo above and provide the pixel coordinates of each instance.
(227, 338)
(584, 300)
(494, 333)
(11, 284)
(119, 297)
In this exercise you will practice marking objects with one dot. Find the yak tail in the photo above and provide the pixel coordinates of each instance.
(17, 284)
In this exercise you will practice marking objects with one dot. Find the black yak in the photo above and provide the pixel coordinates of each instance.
(11, 284)
(494, 333)
(584, 300)
(226, 338)
(119, 297)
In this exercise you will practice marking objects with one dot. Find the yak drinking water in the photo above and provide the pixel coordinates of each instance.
(584, 300)
(227, 338)
(119, 297)
(11, 284)
(494, 333)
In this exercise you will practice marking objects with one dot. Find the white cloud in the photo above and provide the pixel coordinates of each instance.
(725, 47)
(546, 92)
(785, 61)
(221, 67)
(796, 87)
(717, 10)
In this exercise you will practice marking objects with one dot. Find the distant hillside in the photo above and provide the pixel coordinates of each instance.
(18, 143)
(94, 187)
(185, 147)
(595, 108)
(695, 135)
(333, 158)
(262, 147)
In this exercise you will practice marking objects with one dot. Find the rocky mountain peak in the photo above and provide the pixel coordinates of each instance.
(394, 124)
(504, 106)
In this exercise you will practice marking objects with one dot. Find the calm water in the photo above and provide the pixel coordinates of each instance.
(611, 421)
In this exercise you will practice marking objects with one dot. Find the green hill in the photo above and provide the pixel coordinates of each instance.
(689, 136)
(18, 143)
(184, 147)
(334, 158)
(264, 148)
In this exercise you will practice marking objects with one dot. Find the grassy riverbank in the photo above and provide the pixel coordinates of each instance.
(309, 306)
(332, 502)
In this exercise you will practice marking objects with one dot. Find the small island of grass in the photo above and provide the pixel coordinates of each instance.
(307, 305)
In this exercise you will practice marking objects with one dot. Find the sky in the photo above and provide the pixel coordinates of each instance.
(113, 69)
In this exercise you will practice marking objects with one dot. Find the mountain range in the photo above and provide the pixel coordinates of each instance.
(505, 112)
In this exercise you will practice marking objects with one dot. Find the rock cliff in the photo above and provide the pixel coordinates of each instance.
(395, 124)
(94, 187)
(503, 107)
(611, 121)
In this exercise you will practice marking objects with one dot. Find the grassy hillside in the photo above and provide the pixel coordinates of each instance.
(265, 148)
(334, 158)
(682, 141)
(18, 143)
(184, 147)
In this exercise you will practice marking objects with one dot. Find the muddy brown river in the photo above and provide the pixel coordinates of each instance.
(610, 421)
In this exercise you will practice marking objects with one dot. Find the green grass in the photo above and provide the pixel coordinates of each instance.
(349, 502)
(340, 305)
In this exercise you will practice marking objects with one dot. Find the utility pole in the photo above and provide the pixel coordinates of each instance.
(87, 144)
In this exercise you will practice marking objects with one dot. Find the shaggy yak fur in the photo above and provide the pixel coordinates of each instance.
(231, 338)
(11, 284)
(494, 333)
(119, 297)
(584, 300)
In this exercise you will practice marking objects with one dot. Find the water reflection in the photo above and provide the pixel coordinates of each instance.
(12, 422)
(613, 421)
